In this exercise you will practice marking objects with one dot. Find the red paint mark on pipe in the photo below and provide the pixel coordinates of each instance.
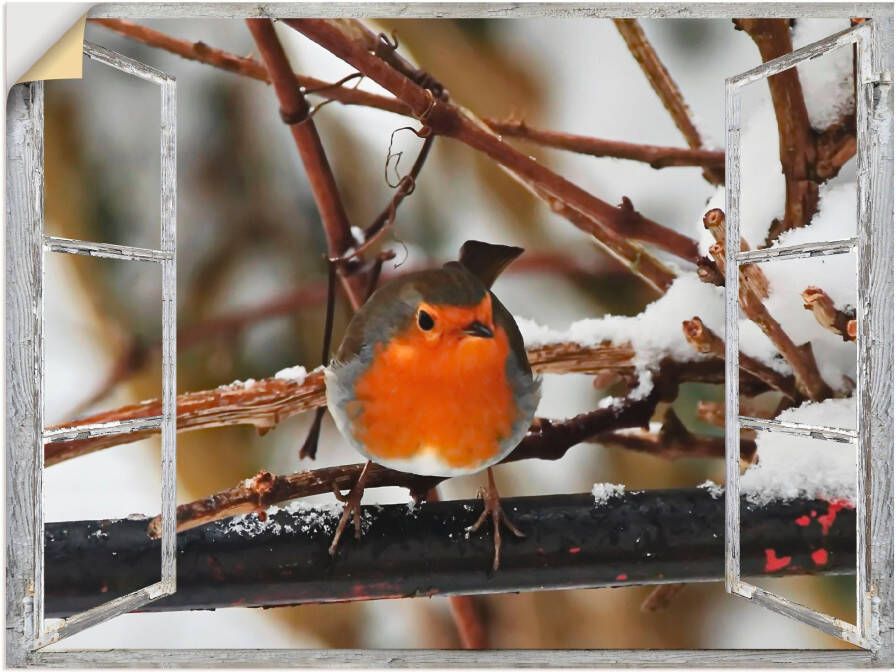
(828, 519)
(803, 521)
(574, 550)
(773, 563)
(813, 513)
(820, 557)
(622, 577)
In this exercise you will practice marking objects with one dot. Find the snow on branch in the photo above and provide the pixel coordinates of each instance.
(266, 402)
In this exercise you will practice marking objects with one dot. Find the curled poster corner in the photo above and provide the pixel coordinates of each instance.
(44, 41)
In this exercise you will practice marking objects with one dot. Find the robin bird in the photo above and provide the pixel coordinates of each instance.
(432, 379)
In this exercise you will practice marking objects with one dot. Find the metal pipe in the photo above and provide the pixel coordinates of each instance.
(647, 537)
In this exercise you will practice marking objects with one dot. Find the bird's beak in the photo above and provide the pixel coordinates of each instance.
(478, 329)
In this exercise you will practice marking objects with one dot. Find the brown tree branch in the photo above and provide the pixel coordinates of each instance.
(674, 441)
(546, 440)
(348, 41)
(752, 284)
(656, 156)
(795, 135)
(632, 256)
(200, 52)
(707, 342)
(267, 402)
(664, 86)
(294, 111)
(827, 314)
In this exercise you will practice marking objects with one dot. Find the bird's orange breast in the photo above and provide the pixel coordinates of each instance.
(449, 399)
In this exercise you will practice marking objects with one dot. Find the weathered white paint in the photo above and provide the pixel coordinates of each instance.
(24, 426)
(25, 193)
(874, 438)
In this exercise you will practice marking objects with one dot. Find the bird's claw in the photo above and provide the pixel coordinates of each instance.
(492, 508)
(351, 511)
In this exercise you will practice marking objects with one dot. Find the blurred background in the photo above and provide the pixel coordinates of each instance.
(250, 245)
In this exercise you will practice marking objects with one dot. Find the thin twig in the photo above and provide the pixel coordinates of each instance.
(295, 112)
(655, 156)
(346, 40)
(665, 88)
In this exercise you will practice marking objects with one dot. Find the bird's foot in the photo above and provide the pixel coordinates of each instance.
(351, 511)
(491, 501)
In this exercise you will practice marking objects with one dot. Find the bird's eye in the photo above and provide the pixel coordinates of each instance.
(425, 321)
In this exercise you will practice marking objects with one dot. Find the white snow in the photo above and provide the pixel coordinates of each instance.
(294, 373)
(247, 384)
(316, 518)
(793, 467)
(826, 80)
(358, 234)
(714, 489)
(604, 492)
(657, 333)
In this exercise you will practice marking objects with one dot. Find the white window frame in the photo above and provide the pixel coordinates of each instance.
(24, 219)
(25, 188)
(874, 245)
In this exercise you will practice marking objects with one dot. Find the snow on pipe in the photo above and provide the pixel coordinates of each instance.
(572, 541)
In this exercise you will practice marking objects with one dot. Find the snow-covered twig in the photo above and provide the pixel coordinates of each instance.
(752, 284)
(546, 440)
(795, 135)
(707, 342)
(266, 402)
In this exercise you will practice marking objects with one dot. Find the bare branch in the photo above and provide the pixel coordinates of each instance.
(674, 441)
(656, 156)
(349, 41)
(665, 88)
(295, 111)
(248, 67)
